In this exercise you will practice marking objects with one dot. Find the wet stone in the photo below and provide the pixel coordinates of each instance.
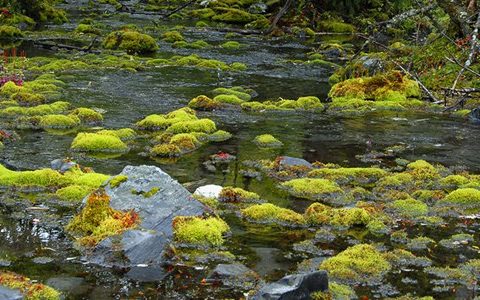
(42, 260)
(234, 275)
(65, 284)
(294, 287)
(5, 263)
(9, 294)
(288, 162)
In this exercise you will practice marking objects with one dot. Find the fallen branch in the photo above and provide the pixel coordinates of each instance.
(405, 15)
(279, 15)
(55, 46)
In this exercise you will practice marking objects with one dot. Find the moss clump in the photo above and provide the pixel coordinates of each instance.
(73, 192)
(28, 99)
(409, 208)
(9, 32)
(236, 195)
(267, 141)
(240, 92)
(422, 170)
(319, 214)
(87, 115)
(219, 136)
(359, 263)
(397, 181)
(29, 289)
(166, 150)
(98, 220)
(87, 29)
(335, 291)
(453, 181)
(172, 36)
(230, 99)
(186, 142)
(125, 134)
(465, 199)
(231, 45)
(117, 181)
(201, 125)
(336, 26)
(94, 142)
(269, 213)
(233, 15)
(377, 88)
(347, 175)
(203, 102)
(312, 188)
(200, 231)
(130, 41)
(159, 122)
(59, 121)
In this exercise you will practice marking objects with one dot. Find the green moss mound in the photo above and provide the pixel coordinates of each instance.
(200, 231)
(203, 102)
(9, 32)
(59, 121)
(267, 141)
(87, 115)
(270, 213)
(94, 142)
(465, 199)
(237, 195)
(312, 188)
(360, 263)
(130, 41)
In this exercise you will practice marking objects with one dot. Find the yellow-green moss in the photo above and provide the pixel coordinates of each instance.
(117, 180)
(94, 142)
(219, 136)
(29, 289)
(312, 188)
(409, 208)
(422, 170)
(200, 231)
(360, 263)
(165, 150)
(172, 36)
(231, 45)
(235, 195)
(335, 291)
(98, 220)
(130, 41)
(270, 213)
(230, 99)
(465, 199)
(267, 141)
(239, 92)
(185, 141)
(9, 32)
(27, 99)
(344, 175)
(158, 122)
(396, 181)
(124, 134)
(87, 115)
(233, 15)
(59, 121)
(39, 110)
(73, 192)
(203, 102)
(86, 29)
(319, 214)
(336, 26)
(201, 125)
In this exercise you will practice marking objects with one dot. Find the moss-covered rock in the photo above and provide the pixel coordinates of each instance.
(360, 263)
(130, 41)
(267, 141)
(239, 92)
(336, 26)
(31, 290)
(465, 200)
(73, 192)
(270, 213)
(201, 125)
(94, 142)
(219, 136)
(59, 121)
(230, 99)
(409, 208)
(87, 29)
(231, 45)
(203, 102)
(166, 150)
(159, 122)
(350, 175)
(28, 99)
(200, 231)
(313, 188)
(125, 134)
(87, 115)
(237, 195)
(233, 15)
(319, 214)
(172, 36)
(98, 220)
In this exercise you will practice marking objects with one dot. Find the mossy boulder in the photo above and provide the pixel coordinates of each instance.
(320, 214)
(357, 264)
(466, 200)
(200, 231)
(87, 115)
(267, 141)
(238, 91)
(203, 102)
(59, 121)
(94, 142)
(201, 125)
(25, 98)
(231, 45)
(357, 176)
(233, 15)
(237, 195)
(159, 122)
(172, 36)
(230, 99)
(130, 41)
(313, 188)
(336, 26)
(270, 213)
(87, 29)
(409, 208)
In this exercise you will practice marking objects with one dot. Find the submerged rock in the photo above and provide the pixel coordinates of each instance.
(9, 294)
(285, 162)
(157, 199)
(209, 191)
(234, 275)
(295, 287)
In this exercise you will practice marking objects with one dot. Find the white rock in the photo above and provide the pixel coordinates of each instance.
(209, 191)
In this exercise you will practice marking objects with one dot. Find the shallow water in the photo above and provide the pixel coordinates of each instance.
(128, 97)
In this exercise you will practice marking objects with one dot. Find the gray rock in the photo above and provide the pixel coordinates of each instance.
(9, 294)
(234, 275)
(65, 284)
(146, 244)
(294, 287)
(474, 115)
(62, 165)
(42, 260)
(5, 263)
(288, 161)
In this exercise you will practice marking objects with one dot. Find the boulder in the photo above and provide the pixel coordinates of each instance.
(9, 294)
(294, 287)
(474, 115)
(157, 199)
(285, 162)
(209, 191)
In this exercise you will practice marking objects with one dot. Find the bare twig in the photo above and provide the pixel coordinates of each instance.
(473, 51)
(279, 15)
